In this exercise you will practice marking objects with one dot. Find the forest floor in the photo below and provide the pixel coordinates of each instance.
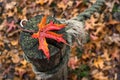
(100, 59)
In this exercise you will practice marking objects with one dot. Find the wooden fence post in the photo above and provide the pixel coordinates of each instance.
(56, 67)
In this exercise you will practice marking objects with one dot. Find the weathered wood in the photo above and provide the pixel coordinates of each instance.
(56, 67)
(51, 72)
(61, 74)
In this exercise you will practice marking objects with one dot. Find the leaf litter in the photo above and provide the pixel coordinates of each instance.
(101, 55)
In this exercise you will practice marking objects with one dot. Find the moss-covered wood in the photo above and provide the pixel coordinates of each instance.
(35, 56)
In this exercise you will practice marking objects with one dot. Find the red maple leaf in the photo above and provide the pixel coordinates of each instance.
(45, 32)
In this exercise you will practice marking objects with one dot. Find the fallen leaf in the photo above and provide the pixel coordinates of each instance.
(93, 1)
(86, 55)
(115, 53)
(110, 5)
(118, 28)
(41, 2)
(73, 62)
(45, 32)
(14, 42)
(11, 26)
(78, 3)
(89, 24)
(72, 77)
(93, 37)
(65, 1)
(106, 55)
(10, 5)
(24, 63)
(15, 58)
(112, 21)
(20, 72)
(62, 5)
(98, 75)
(114, 38)
(99, 62)
(2, 25)
(1, 44)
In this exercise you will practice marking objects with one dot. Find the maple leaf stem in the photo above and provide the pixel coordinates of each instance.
(25, 30)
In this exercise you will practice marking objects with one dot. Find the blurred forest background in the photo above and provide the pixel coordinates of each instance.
(100, 59)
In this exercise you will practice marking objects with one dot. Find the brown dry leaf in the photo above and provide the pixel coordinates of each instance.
(65, 1)
(116, 76)
(16, 78)
(50, 1)
(93, 1)
(73, 77)
(78, 3)
(115, 53)
(107, 67)
(74, 12)
(99, 28)
(89, 46)
(2, 25)
(118, 28)
(20, 71)
(89, 24)
(110, 4)
(39, 2)
(70, 3)
(99, 62)
(86, 55)
(97, 75)
(24, 12)
(106, 55)
(23, 15)
(1, 36)
(73, 62)
(73, 50)
(115, 38)
(24, 63)
(97, 43)
(10, 13)
(1, 44)
(117, 1)
(112, 21)
(84, 78)
(15, 58)
(14, 42)
(6, 71)
(14, 55)
(32, 75)
(10, 5)
(62, 5)
(93, 37)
